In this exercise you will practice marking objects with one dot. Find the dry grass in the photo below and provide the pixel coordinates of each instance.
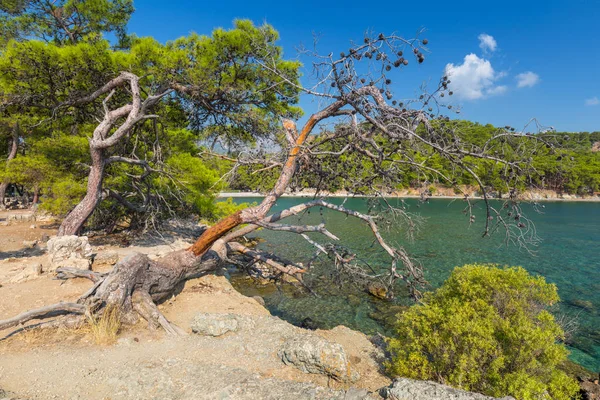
(105, 329)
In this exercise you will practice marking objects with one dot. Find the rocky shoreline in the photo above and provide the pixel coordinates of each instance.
(439, 193)
(234, 348)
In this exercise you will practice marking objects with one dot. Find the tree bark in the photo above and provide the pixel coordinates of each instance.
(36, 196)
(74, 221)
(12, 153)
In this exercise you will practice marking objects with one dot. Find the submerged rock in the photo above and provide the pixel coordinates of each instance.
(410, 389)
(308, 323)
(377, 291)
(316, 355)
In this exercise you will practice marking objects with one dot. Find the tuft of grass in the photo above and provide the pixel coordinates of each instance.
(106, 327)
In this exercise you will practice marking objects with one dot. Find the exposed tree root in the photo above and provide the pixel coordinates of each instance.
(145, 307)
(134, 287)
(42, 313)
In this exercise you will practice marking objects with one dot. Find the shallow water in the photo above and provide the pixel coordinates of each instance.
(569, 256)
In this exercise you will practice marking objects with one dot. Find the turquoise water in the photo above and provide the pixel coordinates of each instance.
(569, 256)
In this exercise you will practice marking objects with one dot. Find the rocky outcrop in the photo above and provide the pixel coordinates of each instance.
(314, 354)
(69, 251)
(410, 389)
(105, 259)
(215, 324)
(208, 381)
(590, 388)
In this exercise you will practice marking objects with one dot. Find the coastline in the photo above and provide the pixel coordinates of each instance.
(529, 197)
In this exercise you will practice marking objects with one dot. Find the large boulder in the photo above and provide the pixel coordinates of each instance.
(69, 251)
(410, 389)
(316, 355)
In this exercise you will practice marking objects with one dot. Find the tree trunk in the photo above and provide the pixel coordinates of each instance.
(36, 196)
(74, 221)
(12, 153)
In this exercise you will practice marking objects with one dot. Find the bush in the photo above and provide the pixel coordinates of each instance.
(486, 330)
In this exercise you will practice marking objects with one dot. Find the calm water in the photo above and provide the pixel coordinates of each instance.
(569, 256)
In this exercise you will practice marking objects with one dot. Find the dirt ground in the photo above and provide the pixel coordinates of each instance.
(60, 363)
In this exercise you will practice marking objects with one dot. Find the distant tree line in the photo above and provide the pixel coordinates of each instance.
(567, 164)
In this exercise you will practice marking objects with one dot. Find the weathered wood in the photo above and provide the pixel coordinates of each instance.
(75, 220)
(64, 273)
(145, 307)
(215, 232)
(288, 269)
(43, 312)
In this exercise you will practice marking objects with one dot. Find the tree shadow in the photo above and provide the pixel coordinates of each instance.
(381, 354)
(22, 253)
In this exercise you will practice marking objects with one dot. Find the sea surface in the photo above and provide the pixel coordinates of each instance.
(568, 255)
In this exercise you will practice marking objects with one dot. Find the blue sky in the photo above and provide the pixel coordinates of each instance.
(510, 60)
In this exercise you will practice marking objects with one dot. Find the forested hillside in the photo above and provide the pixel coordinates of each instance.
(568, 163)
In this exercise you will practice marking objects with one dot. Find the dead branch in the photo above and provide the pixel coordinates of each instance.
(43, 312)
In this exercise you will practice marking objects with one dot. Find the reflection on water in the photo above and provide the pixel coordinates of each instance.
(568, 256)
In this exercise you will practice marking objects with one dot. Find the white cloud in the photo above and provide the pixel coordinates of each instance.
(497, 90)
(487, 42)
(594, 101)
(474, 78)
(527, 79)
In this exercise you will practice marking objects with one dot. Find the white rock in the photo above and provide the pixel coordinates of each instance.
(29, 244)
(214, 324)
(69, 251)
(314, 354)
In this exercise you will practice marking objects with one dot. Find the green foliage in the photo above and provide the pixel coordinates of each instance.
(486, 330)
(62, 195)
(569, 167)
(63, 21)
(227, 207)
(230, 99)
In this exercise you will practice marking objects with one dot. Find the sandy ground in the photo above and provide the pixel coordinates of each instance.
(41, 364)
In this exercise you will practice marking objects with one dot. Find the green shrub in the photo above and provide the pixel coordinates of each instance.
(486, 330)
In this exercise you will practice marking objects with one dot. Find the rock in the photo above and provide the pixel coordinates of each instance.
(31, 271)
(354, 300)
(356, 394)
(316, 355)
(30, 244)
(590, 390)
(409, 389)
(377, 291)
(69, 251)
(32, 226)
(260, 300)
(585, 304)
(214, 324)
(106, 258)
